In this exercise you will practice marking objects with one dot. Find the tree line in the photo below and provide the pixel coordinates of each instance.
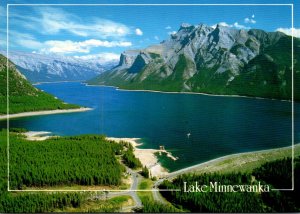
(277, 174)
(83, 160)
(129, 158)
(34, 158)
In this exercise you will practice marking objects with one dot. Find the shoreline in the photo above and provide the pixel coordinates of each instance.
(203, 167)
(148, 157)
(63, 81)
(183, 92)
(37, 135)
(47, 112)
(132, 141)
(231, 162)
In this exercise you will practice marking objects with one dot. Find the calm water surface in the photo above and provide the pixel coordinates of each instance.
(218, 126)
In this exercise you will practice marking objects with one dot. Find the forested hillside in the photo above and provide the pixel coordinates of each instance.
(277, 174)
(129, 158)
(23, 97)
(30, 202)
(81, 160)
(221, 60)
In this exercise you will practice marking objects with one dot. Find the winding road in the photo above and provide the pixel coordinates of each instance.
(136, 178)
(156, 194)
(132, 192)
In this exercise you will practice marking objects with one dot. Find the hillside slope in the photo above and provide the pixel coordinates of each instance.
(220, 60)
(23, 97)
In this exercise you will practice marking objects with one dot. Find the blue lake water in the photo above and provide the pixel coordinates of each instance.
(217, 125)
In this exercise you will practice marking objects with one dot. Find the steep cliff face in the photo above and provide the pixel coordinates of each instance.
(220, 60)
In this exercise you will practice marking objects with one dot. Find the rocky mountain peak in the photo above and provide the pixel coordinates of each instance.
(207, 59)
(186, 27)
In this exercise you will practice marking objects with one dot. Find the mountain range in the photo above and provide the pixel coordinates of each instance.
(213, 60)
(23, 97)
(51, 68)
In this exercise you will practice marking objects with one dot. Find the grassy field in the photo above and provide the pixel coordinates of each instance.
(145, 184)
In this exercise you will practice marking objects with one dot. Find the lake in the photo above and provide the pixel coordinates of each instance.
(195, 128)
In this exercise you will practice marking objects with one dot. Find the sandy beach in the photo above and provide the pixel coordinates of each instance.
(147, 157)
(132, 141)
(37, 113)
(37, 135)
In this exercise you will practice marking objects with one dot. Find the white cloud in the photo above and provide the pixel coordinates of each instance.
(156, 37)
(220, 23)
(235, 25)
(59, 46)
(168, 27)
(23, 39)
(172, 32)
(104, 57)
(288, 31)
(30, 43)
(65, 47)
(53, 21)
(223, 24)
(68, 46)
(249, 20)
(138, 32)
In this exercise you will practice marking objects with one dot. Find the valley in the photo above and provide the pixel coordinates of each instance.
(209, 103)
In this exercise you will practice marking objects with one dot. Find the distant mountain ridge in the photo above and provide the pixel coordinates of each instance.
(220, 60)
(50, 68)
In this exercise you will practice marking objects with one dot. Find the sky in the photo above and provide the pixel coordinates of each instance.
(92, 32)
